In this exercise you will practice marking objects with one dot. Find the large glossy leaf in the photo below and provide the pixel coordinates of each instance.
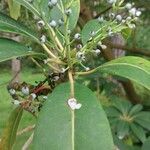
(134, 68)
(8, 23)
(60, 128)
(9, 133)
(11, 49)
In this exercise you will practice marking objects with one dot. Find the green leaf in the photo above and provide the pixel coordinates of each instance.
(60, 128)
(143, 119)
(135, 109)
(121, 104)
(10, 49)
(56, 12)
(134, 68)
(16, 26)
(138, 131)
(112, 112)
(14, 9)
(92, 25)
(32, 6)
(122, 128)
(9, 133)
(146, 144)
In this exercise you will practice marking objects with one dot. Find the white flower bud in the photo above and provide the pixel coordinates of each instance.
(100, 19)
(53, 24)
(52, 3)
(131, 26)
(72, 102)
(92, 33)
(41, 23)
(111, 1)
(80, 56)
(103, 46)
(45, 97)
(25, 90)
(16, 102)
(119, 17)
(68, 11)
(43, 39)
(138, 13)
(128, 6)
(132, 11)
(87, 69)
(60, 22)
(97, 51)
(33, 96)
(79, 46)
(12, 91)
(77, 36)
(112, 15)
(128, 18)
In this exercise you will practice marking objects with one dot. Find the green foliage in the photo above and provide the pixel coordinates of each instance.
(134, 68)
(10, 49)
(10, 25)
(86, 128)
(9, 133)
(126, 120)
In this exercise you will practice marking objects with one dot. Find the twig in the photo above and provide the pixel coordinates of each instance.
(71, 83)
(28, 142)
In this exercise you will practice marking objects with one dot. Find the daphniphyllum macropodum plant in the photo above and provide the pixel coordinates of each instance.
(71, 117)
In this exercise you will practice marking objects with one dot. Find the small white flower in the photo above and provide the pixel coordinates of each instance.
(128, 6)
(103, 46)
(92, 33)
(131, 26)
(72, 102)
(112, 15)
(33, 96)
(41, 23)
(53, 24)
(123, 20)
(87, 68)
(119, 17)
(128, 18)
(100, 19)
(68, 11)
(79, 46)
(77, 36)
(111, 1)
(63, 70)
(60, 22)
(80, 56)
(133, 11)
(12, 91)
(68, 31)
(97, 51)
(16, 102)
(52, 3)
(56, 78)
(46, 61)
(25, 90)
(120, 137)
(138, 13)
(43, 39)
(45, 97)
